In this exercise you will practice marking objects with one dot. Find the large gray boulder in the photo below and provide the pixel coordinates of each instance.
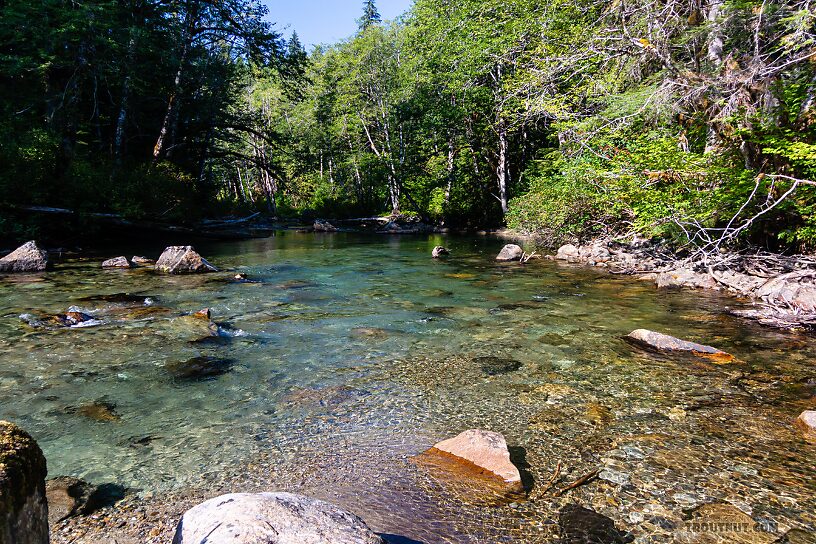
(23, 508)
(510, 252)
(271, 518)
(26, 258)
(183, 260)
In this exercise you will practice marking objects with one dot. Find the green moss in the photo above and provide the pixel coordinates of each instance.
(22, 468)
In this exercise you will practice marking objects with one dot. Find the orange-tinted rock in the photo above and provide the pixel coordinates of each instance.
(664, 342)
(484, 449)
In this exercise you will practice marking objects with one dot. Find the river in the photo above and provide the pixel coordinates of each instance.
(344, 355)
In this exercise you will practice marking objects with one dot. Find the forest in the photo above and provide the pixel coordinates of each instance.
(692, 121)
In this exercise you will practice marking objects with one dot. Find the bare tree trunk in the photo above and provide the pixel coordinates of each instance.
(715, 40)
(450, 168)
(189, 23)
(501, 170)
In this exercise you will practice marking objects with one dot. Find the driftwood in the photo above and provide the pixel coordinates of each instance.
(583, 480)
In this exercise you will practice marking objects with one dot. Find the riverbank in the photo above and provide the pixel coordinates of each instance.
(772, 289)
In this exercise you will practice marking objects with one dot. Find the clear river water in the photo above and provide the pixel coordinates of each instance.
(344, 355)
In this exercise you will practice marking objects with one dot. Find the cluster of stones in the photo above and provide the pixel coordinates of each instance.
(174, 260)
(796, 291)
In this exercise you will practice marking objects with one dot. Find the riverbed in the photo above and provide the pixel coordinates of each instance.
(342, 356)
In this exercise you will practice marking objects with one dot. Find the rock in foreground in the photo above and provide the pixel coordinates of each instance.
(271, 518)
(485, 449)
(118, 262)
(510, 252)
(23, 508)
(67, 496)
(183, 260)
(664, 342)
(26, 258)
(807, 422)
(439, 252)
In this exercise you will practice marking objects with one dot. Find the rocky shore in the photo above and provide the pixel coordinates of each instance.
(780, 291)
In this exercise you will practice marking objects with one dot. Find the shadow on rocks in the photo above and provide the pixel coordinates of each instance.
(397, 539)
(581, 525)
(518, 456)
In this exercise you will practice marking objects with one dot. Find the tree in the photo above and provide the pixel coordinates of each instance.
(370, 16)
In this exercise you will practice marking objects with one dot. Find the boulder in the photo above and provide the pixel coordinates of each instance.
(271, 518)
(568, 253)
(183, 260)
(324, 226)
(485, 449)
(118, 262)
(26, 258)
(789, 290)
(142, 261)
(510, 252)
(23, 507)
(807, 422)
(686, 277)
(68, 497)
(440, 251)
(664, 342)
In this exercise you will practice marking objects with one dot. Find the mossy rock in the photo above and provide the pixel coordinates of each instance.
(23, 511)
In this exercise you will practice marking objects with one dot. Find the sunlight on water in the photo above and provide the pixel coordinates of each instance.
(343, 356)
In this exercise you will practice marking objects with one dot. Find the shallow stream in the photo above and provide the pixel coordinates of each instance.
(345, 355)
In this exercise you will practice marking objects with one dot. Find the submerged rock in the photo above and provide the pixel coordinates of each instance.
(581, 525)
(267, 518)
(722, 523)
(101, 411)
(118, 262)
(23, 508)
(486, 450)
(510, 252)
(493, 366)
(807, 422)
(664, 342)
(439, 252)
(183, 260)
(199, 368)
(26, 258)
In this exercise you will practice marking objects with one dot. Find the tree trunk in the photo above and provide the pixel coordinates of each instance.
(501, 170)
(189, 23)
(716, 38)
